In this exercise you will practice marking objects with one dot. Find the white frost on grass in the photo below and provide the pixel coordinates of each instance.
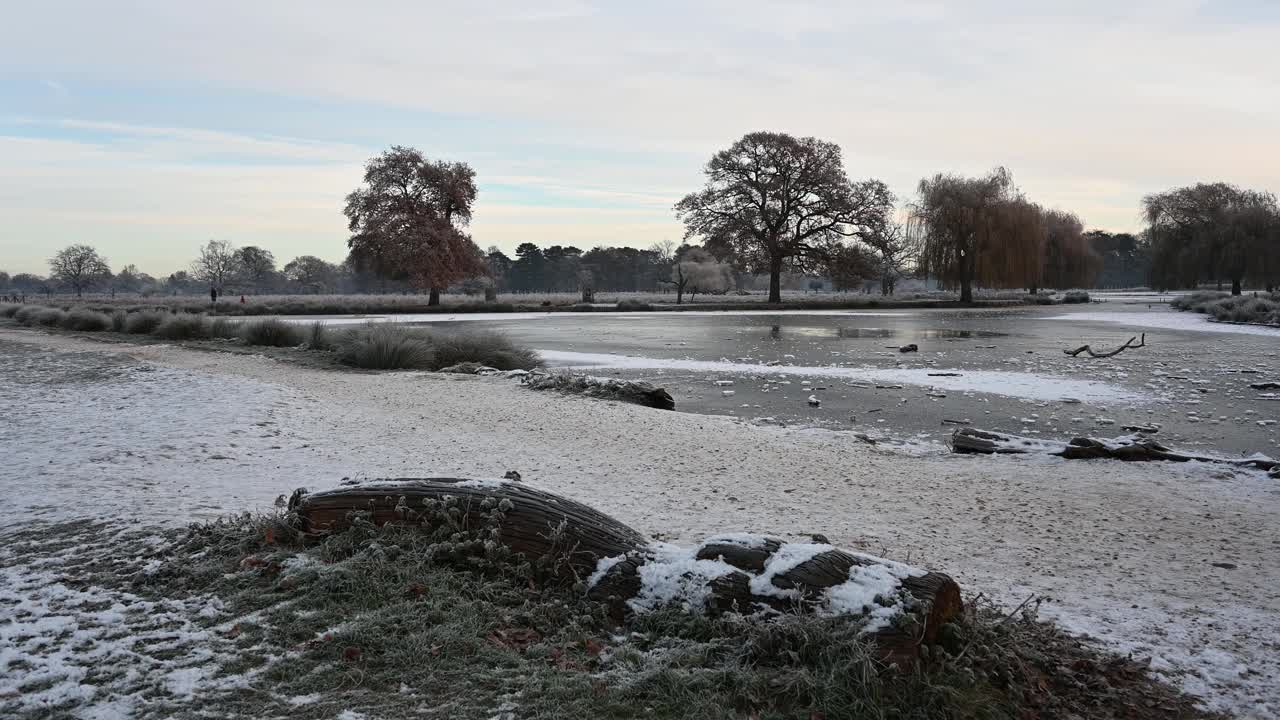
(58, 649)
(996, 382)
(1168, 320)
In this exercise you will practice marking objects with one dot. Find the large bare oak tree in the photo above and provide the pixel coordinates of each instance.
(772, 199)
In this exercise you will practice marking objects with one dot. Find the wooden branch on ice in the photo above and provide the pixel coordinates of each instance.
(1128, 345)
(1135, 448)
(901, 607)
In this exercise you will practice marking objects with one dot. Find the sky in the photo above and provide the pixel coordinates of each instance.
(147, 128)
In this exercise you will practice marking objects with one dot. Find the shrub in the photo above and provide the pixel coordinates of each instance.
(487, 348)
(385, 347)
(224, 328)
(49, 317)
(118, 320)
(184, 327)
(26, 315)
(143, 323)
(634, 305)
(1038, 300)
(1199, 301)
(272, 332)
(86, 320)
(318, 337)
(1075, 297)
(9, 310)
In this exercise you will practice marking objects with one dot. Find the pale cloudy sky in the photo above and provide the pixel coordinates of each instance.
(146, 128)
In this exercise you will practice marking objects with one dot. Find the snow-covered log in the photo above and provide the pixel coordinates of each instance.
(1128, 447)
(640, 393)
(538, 523)
(899, 607)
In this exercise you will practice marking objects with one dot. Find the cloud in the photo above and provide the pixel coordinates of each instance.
(597, 104)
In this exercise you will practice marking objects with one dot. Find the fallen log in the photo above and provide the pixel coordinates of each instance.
(899, 607)
(1128, 345)
(1265, 386)
(1137, 448)
(632, 391)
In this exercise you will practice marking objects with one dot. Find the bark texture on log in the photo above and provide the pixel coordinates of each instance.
(1133, 448)
(539, 523)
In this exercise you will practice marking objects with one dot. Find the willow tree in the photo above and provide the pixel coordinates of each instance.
(1069, 258)
(1211, 232)
(410, 217)
(960, 219)
(772, 199)
(1013, 252)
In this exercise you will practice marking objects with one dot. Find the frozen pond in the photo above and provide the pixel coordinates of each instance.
(997, 369)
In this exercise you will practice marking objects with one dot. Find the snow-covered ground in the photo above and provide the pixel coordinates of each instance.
(1170, 320)
(1176, 562)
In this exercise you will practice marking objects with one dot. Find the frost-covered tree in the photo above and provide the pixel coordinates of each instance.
(216, 265)
(79, 267)
(772, 199)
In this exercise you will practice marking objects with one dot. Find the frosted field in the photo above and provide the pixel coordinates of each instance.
(1124, 552)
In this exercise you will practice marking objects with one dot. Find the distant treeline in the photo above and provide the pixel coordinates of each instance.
(773, 206)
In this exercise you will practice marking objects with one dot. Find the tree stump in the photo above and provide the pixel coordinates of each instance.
(900, 607)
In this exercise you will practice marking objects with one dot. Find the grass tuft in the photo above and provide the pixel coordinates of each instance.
(318, 337)
(143, 323)
(224, 328)
(48, 317)
(119, 319)
(86, 320)
(184, 327)
(271, 332)
(385, 347)
(492, 349)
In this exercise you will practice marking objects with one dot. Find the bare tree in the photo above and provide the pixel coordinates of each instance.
(79, 266)
(896, 250)
(216, 264)
(772, 199)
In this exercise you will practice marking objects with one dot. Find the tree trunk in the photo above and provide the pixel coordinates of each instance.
(966, 290)
(433, 298)
(775, 279)
(1132, 448)
(1235, 286)
(540, 524)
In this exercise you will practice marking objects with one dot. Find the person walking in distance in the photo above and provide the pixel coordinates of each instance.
(213, 295)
